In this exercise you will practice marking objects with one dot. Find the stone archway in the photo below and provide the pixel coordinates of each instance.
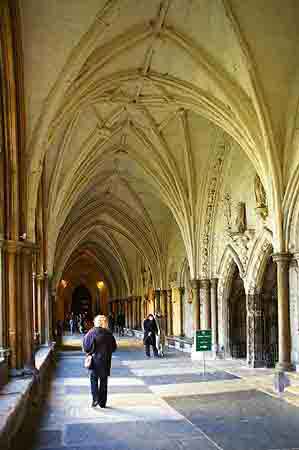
(270, 314)
(237, 317)
(81, 301)
(230, 262)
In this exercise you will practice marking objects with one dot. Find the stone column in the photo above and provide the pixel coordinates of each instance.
(4, 341)
(12, 286)
(284, 334)
(135, 313)
(214, 314)
(130, 313)
(157, 301)
(196, 304)
(40, 308)
(205, 297)
(254, 331)
(181, 291)
(139, 312)
(126, 312)
(164, 308)
(52, 309)
(27, 309)
(48, 340)
(170, 313)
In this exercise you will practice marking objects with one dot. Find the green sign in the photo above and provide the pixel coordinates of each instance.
(203, 340)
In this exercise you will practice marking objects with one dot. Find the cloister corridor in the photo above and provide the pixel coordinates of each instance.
(149, 173)
(163, 404)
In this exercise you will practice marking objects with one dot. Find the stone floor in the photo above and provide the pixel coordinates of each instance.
(164, 404)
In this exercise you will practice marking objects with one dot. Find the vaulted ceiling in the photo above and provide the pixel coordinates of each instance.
(128, 102)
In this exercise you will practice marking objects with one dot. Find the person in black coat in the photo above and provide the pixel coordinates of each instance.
(149, 338)
(100, 343)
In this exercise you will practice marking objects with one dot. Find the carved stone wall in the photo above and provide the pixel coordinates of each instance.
(294, 311)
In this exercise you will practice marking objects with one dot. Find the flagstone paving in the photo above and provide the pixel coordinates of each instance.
(164, 404)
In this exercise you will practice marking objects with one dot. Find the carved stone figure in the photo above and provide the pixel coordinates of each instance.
(260, 198)
(259, 191)
(227, 211)
(240, 221)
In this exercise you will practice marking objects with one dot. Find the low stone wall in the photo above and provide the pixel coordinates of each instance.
(3, 373)
(181, 344)
(21, 396)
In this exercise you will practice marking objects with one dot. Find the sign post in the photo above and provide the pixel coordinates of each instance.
(203, 343)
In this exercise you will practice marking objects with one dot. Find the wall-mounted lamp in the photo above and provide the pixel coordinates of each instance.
(64, 283)
(100, 284)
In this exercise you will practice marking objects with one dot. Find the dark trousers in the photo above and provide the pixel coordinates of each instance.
(151, 342)
(99, 393)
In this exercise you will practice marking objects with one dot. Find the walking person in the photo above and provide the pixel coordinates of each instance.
(150, 332)
(121, 323)
(160, 341)
(100, 343)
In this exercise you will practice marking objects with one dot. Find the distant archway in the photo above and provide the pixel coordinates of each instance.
(81, 301)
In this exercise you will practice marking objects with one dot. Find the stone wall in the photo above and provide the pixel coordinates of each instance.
(22, 397)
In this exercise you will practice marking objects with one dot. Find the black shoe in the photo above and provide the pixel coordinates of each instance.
(94, 404)
(102, 406)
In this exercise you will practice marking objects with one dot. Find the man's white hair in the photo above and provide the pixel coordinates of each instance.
(100, 321)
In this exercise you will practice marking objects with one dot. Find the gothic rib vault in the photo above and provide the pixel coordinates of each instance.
(147, 123)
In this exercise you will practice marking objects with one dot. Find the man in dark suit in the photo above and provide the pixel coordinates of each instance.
(100, 343)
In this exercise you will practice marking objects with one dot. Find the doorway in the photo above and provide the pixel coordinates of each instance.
(82, 301)
(237, 317)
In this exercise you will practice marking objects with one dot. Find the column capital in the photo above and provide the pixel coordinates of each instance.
(12, 247)
(28, 248)
(204, 283)
(214, 282)
(195, 283)
(39, 276)
(283, 257)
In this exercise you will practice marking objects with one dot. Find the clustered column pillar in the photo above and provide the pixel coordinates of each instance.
(164, 308)
(131, 311)
(196, 304)
(139, 312)
(181, 292)
(170, 312)
(12, 264)
(27, 309)
(126, 313)
(40, 308)
(284, 334)
(4, 342)
(214, 314)
(205, 298)
(254, 330)
(157, 306)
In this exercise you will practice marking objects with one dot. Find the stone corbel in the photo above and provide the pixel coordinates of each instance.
(296, 261)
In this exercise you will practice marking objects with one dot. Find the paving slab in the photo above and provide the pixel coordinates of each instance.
(163, 404)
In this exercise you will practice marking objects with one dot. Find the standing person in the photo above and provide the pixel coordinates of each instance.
(149, 338)
(100, 343)
(122, 322)
(160, 322)
(111, 322)
(72, 324)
